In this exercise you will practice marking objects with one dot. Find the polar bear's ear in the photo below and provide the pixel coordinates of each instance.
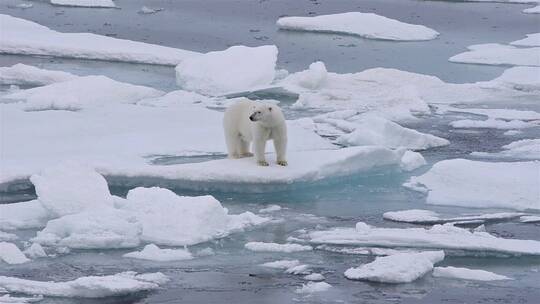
(270, 109)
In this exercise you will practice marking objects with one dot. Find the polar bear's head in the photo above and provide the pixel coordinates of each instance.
(262, 113)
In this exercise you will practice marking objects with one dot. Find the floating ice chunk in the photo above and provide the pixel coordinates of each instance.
(23, 6)
(521, 78)
(372, 130)
(84, 287)
(85, 3)
(70, 188)
(298, 269)
(92, 229)
(149, 10)
(25, 37)
(210, 74)
(529, 219)
(522, 149)
(531, 40)
(4, 236)
(270, 208)
(412, 160)
(23, 215)
(491, 124)
(19, 300)
(282, 264)
(275, 247)
(11, 254)
(187, 220)
(154, 253)
(512, 132)
(445, 237)
(532, 10)
(467, 274)
(22, 74)
(81, 92)
(364, 250)
(507, 114)
(460, 182)
(35, 251)
(312, 287)
(314, 277)
(429, 217)
(367, 25)
(312, 78)
(397, 268)
(499, 54)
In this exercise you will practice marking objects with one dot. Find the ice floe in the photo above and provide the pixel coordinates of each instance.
(530, 219)
(22, 74)
(210, 73)
(86, 287)
(520, 78)
(20, 36)
(447, 237)
(396, 268)
(314, 277)
(467, 183)
(6, 236)
(491, 124)
(499, 54)
(282, 264)
(149, 10)
(531, 40)
(312, 287)
(412, 160)
(275, 247)
(506, 114)
(23, 215)
(152, 252)
(35, 251)
(85, 3)
(270, 208)
(367, 25)
(19, 300)
(467, 274)
(532, 10)
(11, 254)
(81, 92)
(418, 216)
(521, 149)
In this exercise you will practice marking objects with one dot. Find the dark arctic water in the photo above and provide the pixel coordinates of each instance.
(231, 275)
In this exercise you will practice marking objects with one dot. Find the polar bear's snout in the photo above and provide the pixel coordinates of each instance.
(255, 116)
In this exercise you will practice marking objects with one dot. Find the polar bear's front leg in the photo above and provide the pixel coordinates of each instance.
(259, 144)
(280, 144)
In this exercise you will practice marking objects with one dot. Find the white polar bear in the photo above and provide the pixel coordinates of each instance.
(246, 121)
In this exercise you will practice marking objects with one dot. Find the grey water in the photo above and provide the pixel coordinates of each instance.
(232, 274)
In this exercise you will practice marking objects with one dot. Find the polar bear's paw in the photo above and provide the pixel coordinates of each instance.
(282, 162)
(247, 154)
(262, 163)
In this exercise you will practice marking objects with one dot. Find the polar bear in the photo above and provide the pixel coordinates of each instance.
(246, 121)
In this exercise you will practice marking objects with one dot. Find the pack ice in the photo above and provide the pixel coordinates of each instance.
(25, 37)
(467, 183)
(447, 237)
(367, 25)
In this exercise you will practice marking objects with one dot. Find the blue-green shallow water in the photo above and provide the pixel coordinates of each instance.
(232, 274)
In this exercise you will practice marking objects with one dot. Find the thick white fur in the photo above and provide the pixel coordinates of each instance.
(246, 121)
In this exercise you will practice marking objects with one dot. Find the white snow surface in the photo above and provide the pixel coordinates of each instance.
(152, 252)
(312, 287)
(275, 247)
(467, 274)
(447, 237)
(491, 124)
(85, 3)
(420, 216)
(366, 25)
(11, 254)
(23, 37)
(521, 149)
(506, 114)
(499, 54)
(81, 92)
(396, 268)
(22, 74)
(211, 73)
(466, 183)
(23, 215)
(531, 40)
(86, 287)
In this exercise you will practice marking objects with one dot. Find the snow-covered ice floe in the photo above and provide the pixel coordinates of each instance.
(467, 274)
(418, 216)
(531, 40)
(367, 25)
(275, 247)
(87, 287)
(396, 268)
(79, 93)
(521, 149)
(466, 183)
(22, 74)
(532, 10)
(499, 54)
(85, 3)
(395, 94)
(11, 254)
(210, 73)
(491, 124)
(19, 300)
(6, 236)
(447, 237)
(530, 219)
(25, 37)
(152, 252)
(506, 114)
(312, 287)
(23, 215)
